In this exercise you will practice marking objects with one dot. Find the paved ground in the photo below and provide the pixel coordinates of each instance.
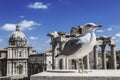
(90, 73)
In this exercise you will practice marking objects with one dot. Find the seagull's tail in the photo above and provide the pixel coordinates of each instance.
(59, 56)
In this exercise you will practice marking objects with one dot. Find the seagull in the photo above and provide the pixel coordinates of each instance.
(79, 46)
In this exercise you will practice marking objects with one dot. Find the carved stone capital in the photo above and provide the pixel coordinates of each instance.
(112, 45)
(102, 46)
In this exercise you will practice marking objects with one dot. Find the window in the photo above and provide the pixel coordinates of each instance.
(20, 53)
(20, 69)
(74, 64)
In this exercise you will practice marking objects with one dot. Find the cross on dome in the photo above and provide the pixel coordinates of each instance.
(17, 28)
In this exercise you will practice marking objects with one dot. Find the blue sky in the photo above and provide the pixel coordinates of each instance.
(39, 17)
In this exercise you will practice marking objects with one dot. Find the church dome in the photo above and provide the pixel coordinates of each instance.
(17, 33)
(17, 38)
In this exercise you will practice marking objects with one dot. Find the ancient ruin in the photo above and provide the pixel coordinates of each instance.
(58, 40)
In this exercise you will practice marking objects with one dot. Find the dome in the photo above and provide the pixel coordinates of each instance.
(17, 33)
(17, 38)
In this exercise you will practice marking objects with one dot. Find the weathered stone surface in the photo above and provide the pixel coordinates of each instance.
(67, 75)
(73, 78)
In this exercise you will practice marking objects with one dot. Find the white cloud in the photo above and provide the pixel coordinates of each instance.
(9, 27)
(99, 31)
(1, 40)
(33, 38)
(25, 24)
(109, 29)
(30, 28)
(38, 5)
(117, 35)
(21, 16)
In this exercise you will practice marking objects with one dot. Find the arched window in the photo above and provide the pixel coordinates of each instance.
(20, 53)
(20, 69)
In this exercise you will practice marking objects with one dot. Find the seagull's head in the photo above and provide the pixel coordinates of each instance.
(90, 27)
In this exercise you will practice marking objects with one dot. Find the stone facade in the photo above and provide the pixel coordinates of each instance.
(3, 62)
(16, 56)
(48, 60)
(36, 63)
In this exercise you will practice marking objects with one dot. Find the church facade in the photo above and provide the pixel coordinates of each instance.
(17, 54)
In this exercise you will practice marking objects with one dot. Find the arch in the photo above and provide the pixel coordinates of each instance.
(74, 64)
(20, 69)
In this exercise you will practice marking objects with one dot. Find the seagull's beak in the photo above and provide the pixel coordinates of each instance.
(98, 26)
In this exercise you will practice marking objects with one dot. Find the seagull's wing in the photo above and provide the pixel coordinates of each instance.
(72, 46)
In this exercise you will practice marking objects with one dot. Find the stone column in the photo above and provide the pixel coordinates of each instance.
(95, 57)
(103, 56)
(66, 63)
(113, 57)
(63, 63)
(12, 68)
(53, 54)
(8, 68)
(69, 64)
(87, 62)
(61, 45)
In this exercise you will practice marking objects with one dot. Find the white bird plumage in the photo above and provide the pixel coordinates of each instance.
(80, 46)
